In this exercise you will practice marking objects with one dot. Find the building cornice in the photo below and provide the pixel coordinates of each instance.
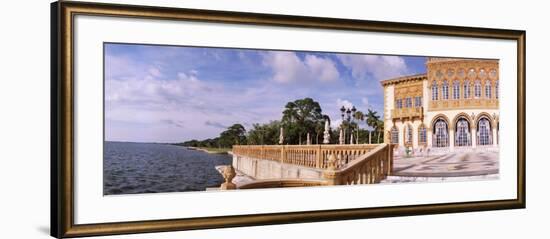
(442, 61)
(393, 81)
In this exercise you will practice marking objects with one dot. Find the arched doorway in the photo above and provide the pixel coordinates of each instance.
(484, 133)
(462, 135)
(441, 133)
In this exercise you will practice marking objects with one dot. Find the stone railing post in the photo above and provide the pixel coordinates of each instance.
(389, 159)
(330, 174)
(262, 152)
(319, 161)
(283, 154)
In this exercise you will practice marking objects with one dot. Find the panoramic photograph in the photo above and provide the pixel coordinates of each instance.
(188, 119)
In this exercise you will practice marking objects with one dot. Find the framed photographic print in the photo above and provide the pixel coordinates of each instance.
(170, 119)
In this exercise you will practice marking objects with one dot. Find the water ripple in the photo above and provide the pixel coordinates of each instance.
(152, 168)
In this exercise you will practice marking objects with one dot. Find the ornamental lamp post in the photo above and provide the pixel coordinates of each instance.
(343, 110)
(347, 114)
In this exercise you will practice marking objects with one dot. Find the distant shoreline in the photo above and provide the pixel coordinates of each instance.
(203, 149)
(209, 150)
(133, 142)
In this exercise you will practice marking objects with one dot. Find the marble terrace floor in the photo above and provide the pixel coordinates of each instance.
(458, 164)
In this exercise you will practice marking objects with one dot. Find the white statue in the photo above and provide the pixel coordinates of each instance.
(308, 142)
(326, 134)
(281, 136)
(341, 136)
(351, 139)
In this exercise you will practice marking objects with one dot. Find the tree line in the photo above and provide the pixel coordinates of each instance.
(299, 118)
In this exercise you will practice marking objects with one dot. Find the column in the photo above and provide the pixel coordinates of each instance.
(474, 137)
(451, 140)
(401, 134)
(494, 136)
(429, 136)
(415, 135)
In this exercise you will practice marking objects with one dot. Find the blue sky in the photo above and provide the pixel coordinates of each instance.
(173, 94)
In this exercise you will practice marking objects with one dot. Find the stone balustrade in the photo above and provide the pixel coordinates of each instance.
(369, 168)
(308, 164)
(314, 156)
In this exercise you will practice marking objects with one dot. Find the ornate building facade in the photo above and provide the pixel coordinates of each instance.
(453, 106)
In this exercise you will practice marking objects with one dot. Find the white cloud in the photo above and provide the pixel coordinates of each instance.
(345, 103)
(288, 67)
(155, 72)
(162, 105)
(321, 68)
(379, 67)
(334, 124)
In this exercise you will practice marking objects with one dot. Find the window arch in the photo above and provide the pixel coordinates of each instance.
(466, 89)
(422, 134)
(445, 90)
(477, 89)
(462, 136)
(456, 90)
(482, 73)
(434, 91)
(441, 133)
(488, 89)
(394, 134)
(471, 72)
(484, 134)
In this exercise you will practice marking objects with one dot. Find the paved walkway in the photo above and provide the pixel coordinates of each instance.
(460, 164)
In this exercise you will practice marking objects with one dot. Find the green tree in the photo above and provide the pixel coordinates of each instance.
(300, 117)
(372, 119)
(359, 116)
(379, 129)
(234, 135)
(267, 134)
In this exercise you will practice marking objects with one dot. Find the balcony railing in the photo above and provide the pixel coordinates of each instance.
(407, 113)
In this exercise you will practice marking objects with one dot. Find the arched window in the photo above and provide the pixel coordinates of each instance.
(445, 90)
(488, 89)
(496, 89)
(462, 137)
(484, 134)
(394, 135)
(441, 133)
(477, 89)
(422, 134)
(408, 135)
(466, 89)
(456, 90)
(434, 91)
